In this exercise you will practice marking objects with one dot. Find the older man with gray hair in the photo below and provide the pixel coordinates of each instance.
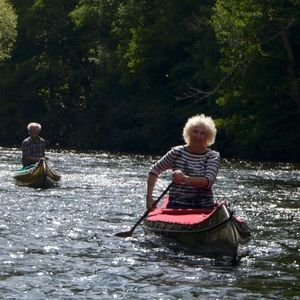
(33, 148)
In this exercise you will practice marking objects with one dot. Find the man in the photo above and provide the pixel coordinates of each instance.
(33, 148)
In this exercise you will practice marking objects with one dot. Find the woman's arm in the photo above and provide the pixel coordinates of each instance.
(180, 178)
(165, 163)
(205, 181)
(150, 187)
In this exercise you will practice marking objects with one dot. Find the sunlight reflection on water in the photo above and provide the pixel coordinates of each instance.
(60, 244)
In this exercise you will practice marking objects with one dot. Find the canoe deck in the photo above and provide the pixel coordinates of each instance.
(39, 175)
(215, 232)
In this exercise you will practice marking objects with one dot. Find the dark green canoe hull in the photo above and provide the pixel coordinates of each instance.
(220, 235)
(39, 175)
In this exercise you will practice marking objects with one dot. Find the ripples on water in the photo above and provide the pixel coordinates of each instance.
(59, 243)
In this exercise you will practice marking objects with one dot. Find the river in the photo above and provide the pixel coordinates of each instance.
(59, 243)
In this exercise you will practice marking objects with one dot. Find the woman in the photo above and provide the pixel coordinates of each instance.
(194, 166)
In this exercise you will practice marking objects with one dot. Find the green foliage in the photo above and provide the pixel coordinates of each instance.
(8, 32)
(237, 24)
(258, 113)
(143, 50)
(107, 74)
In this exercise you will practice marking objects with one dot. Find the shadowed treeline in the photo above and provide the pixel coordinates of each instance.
(125, 75)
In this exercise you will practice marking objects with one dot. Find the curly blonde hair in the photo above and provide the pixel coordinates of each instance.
(200, 120)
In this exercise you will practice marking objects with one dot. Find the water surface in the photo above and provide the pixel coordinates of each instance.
(59, 243)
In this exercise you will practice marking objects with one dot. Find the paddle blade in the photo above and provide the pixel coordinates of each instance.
(124, 234)
(129, 233)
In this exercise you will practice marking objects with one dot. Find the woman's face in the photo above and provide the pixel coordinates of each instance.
(198, 136)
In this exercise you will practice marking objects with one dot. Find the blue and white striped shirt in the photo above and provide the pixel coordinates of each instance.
(191, 164)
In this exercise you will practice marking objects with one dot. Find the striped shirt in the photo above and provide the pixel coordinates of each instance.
(191, 164)
(32, 147)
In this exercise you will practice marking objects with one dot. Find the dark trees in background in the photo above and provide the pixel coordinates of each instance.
(125, 75)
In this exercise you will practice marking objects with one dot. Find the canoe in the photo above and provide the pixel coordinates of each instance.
(39, 175)
(212, 232)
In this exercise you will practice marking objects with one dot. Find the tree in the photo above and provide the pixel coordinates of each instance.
(260, 104)
(253, 29)
(8, 32)
(149, 52)
(40, 82)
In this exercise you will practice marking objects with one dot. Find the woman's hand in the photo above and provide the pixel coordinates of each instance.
(179, 177)
(150, 203)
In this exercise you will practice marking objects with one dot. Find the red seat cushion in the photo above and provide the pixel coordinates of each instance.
(184, 216)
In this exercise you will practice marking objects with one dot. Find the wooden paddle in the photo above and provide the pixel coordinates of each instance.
(130, 232)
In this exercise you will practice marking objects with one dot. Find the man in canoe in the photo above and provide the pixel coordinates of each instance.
(194, 165)
(33, 148)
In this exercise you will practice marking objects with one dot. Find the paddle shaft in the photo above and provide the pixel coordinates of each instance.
(154, 204)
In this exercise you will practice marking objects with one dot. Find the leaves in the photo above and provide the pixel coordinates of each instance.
(8, 32)
(109, 74)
